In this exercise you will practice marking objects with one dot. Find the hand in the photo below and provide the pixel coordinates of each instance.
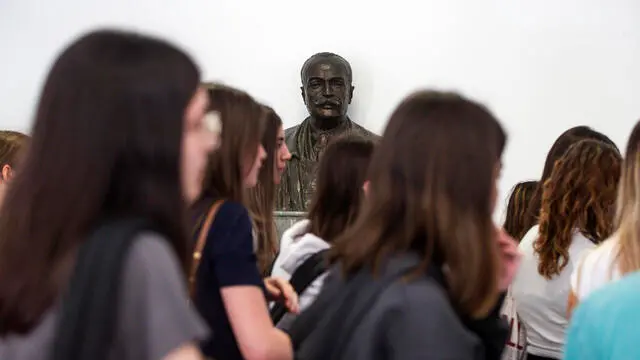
(509, 256)
(281, 290)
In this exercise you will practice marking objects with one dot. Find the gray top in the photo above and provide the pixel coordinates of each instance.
(155, 315)
(411, 321)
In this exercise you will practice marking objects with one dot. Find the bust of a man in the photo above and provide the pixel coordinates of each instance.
(327, 90)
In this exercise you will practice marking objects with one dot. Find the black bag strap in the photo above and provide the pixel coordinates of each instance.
(89, 311)
(302, 277)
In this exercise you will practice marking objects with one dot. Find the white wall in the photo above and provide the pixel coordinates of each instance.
(541, 65)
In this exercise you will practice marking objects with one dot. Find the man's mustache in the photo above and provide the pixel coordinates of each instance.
(333, 102)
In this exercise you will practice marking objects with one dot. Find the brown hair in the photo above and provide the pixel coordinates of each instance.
(341, 175)
(112, 109)
(517, 214)
(628, 207)
(579, 196)
(243, 122)
(12, 144)
(559, 148)
(421, 199)
(262, 197)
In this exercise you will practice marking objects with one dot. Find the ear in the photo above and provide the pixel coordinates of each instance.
(5, 175)
(304, 98)
(351, 93)
(365, 188)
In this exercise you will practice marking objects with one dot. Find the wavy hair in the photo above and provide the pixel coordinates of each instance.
(579, 195)
(557, 150)
(515, 223)
(628, 207)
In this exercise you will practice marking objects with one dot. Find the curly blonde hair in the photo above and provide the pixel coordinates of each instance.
(579, 196)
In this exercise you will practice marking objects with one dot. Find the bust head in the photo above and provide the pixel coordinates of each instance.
(326, 86)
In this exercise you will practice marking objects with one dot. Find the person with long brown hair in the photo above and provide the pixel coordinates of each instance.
(559, 148)
(620, 254)
(578, 204)
(119, 134)
(262, 197)
(407, 284)
(517, 218)
(12, 144)
(227, 287)
(335, 205)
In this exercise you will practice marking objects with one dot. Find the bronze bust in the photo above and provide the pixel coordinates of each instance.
(327, 91)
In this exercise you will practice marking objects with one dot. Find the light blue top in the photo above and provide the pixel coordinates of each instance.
(606, 326)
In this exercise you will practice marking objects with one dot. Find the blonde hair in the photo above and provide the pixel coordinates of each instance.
(628, 207)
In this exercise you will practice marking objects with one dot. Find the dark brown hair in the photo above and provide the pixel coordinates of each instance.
(342, 172)
(421, 199)
(579, 196)
(243, 123)
(112, 108)
(514, 222)
(12, 144)
(263, 196)
(559, 148)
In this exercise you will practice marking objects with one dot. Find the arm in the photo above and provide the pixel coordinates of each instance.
(242, 292)
(187, 352)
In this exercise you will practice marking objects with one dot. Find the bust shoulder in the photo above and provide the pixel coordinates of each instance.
(360, 130)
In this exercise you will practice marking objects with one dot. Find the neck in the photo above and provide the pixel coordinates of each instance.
(328, 123)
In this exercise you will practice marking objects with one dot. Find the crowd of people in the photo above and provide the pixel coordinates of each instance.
(136, 222)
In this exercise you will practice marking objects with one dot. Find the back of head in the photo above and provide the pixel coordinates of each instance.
(339, 192)
(431, 192)
(516, 219)
(243, 124)
(628, 206)
(106, 143)
(12, 144)
(559, 148)
(579, 196)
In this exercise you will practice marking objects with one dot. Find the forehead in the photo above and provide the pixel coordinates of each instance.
(326, 68)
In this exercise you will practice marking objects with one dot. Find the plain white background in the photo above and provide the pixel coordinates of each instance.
(541, 65)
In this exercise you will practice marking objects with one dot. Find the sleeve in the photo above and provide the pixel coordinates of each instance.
(428, 331)
(230, 246)
(155, 314)
(577, 278)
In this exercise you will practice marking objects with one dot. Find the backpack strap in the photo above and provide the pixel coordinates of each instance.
(200, 243)
(302, 277)
(89, 312)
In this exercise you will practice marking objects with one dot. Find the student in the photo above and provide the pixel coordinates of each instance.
(118, 132)
(605, 325)
(559, 148)
(517, 214)
(12, 145)
(229, 291)
(262, 197)
(339, 192)
(576, 215)
(620, 254)
(406, 285)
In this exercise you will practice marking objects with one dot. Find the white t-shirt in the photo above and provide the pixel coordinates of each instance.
(542, 303)
(596, 268)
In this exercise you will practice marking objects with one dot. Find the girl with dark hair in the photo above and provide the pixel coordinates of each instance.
(578, 203)
(118, 133)
(227, 287)
(339, 192)
(262, 197)
(407, 282)
(12, 144)
(517, 209)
